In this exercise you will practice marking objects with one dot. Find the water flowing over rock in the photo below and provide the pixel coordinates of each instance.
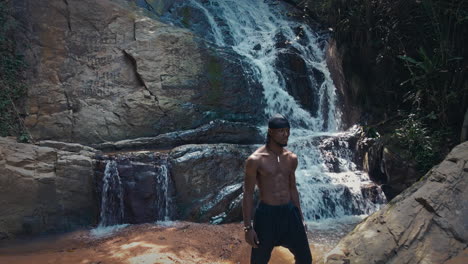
(112, 208)
(334, 183)
(424, 224)
(287, 58)
(45, 189)
(135, 187)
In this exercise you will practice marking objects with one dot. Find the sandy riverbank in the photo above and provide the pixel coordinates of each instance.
(181, 242)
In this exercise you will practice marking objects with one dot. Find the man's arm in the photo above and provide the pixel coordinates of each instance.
(249, 185)
(247, 203)
(293, 187)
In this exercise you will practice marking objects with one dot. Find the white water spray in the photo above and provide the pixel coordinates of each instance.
(163, 182)
(112, 208)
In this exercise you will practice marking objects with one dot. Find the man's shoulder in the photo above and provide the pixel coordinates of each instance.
(257, 154)
(290, 154)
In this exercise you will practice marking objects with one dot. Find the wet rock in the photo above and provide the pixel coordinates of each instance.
(217, 131)
(44, 189)
(207, 178)
(300, 83)
(389, 167)
(339, 152)
(143, 178)
(426, 223)
(217, 207)
(373, 193)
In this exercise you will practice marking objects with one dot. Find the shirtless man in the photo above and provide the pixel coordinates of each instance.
(278, 219)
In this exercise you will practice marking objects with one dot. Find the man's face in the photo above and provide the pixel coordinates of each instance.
(279, 135)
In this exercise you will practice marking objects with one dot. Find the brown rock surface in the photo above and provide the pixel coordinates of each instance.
(99, 72)
(424, 224)
(43, 189)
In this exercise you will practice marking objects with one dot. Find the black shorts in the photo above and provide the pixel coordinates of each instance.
(280, 225)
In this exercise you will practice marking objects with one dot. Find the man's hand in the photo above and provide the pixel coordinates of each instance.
(251, 238)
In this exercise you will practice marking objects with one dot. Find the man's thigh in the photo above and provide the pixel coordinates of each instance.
(296, 239)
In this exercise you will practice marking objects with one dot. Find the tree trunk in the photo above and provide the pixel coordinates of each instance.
(464, 130)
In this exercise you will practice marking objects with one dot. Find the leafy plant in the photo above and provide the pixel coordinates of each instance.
(422, 142)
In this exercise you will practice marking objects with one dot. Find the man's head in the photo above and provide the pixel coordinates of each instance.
(278, 130)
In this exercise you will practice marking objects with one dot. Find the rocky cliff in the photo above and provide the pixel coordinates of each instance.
(45, 188)
(101, 72)
(424, 224)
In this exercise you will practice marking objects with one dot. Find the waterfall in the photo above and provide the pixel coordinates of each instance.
(164, 201)
(112, 209)
(264, 35)
(136, 188)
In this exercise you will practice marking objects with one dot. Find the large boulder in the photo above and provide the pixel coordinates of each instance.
(100, 72)
(45, 189)
(424, 224)
(208, 180)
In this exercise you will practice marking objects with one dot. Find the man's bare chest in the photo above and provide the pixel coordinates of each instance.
(270, 169)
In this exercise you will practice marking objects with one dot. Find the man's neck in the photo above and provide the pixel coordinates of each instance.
(277, 149)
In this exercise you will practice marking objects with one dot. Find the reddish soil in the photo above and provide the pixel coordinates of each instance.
(184, 243)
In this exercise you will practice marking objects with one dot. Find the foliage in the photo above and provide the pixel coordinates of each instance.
(411, 54)
(12, 87)
(408, 55)
(439, 65)
(422, 142)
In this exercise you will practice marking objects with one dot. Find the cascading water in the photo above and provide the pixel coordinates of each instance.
(112, 209)
(164, 200)
(136, 188)
(262, 33)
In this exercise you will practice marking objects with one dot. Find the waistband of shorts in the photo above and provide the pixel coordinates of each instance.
(289, 204)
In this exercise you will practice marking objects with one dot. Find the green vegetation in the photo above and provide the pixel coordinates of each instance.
(420, 142)
(12, 87)
(409, 59)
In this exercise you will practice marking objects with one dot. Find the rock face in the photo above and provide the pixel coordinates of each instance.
(208, 179)
(217, 131)
(99, 72)
(347, 91)
(299, 81)
(385, 166)
(424, 224)
(45, 189)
